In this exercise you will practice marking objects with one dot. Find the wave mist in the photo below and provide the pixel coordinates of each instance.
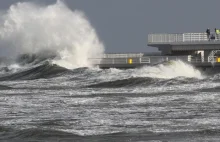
(29, 28)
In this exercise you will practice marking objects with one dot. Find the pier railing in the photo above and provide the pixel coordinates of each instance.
(123, 60)
(123, 55)
(131, 59)
(182, 37)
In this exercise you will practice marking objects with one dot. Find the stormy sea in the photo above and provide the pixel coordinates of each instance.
(51, 92)
(47, 102)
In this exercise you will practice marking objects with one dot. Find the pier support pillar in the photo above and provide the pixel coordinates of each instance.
(206, 55)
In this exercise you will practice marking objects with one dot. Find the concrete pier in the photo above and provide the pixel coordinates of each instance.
(194, 48)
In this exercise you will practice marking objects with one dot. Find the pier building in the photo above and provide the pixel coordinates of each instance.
(197, 49)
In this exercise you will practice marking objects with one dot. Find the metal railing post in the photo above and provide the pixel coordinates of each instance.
(183, 37)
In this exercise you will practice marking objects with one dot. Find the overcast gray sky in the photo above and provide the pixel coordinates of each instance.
(123, 25)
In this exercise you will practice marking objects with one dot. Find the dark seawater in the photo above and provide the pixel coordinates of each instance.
(50, 103)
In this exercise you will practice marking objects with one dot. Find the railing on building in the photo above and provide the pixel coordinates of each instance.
(183, 37)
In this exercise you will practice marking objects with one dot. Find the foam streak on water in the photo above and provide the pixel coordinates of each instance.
(30, 28)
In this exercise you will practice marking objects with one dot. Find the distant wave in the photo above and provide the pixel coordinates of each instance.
(34, 66)
(169, 70)
(45, 70)
(132, 82)
(3, 87)
(36, 134)
(8, 134)
(34, 59)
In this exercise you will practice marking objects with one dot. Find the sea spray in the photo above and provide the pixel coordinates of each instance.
(169, 70)
(28, 28)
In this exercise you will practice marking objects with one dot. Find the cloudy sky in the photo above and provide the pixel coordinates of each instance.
(123, 25)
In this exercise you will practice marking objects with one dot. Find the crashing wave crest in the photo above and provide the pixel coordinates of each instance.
(170, 70)
(28, 28)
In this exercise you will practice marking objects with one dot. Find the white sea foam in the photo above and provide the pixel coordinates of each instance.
(30, 28)
(171, 70)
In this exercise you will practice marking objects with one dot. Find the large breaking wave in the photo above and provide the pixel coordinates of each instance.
(176, 72)
(36, 34)
(29, 28)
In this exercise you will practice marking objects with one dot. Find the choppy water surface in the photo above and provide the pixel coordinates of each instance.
(42, 98)
(50, 103)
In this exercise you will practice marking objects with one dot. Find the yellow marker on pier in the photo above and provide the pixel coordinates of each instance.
(130, 61)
